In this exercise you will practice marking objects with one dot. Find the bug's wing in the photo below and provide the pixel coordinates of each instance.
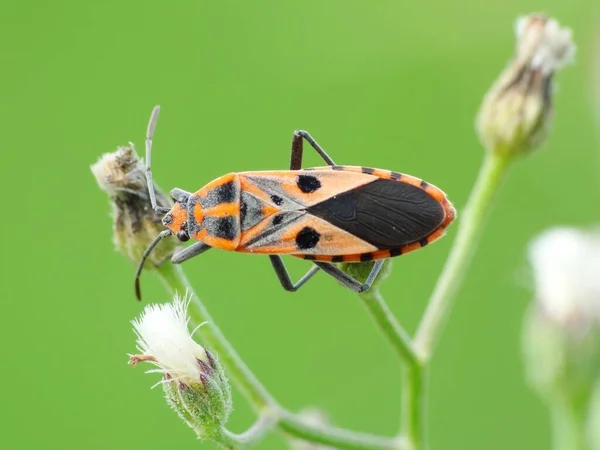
(385, 213)
(297, 232)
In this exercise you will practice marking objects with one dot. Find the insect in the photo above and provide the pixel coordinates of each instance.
(325, 215)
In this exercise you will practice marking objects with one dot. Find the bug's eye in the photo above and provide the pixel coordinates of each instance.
(183, 199)
(183, 236)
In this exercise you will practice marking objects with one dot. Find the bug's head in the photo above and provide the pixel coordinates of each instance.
(176, 220)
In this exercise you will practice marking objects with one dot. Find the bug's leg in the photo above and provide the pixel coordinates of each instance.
(189, 252)
(149, 135)
(347, 280)
(284, 276)
(297, 149)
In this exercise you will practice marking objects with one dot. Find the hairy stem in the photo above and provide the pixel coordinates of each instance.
(412, 419)
(252, 435)
(568, 426)
(470, 227)
(269, 410)
(389, 326)
(412, 422)
(336, 437)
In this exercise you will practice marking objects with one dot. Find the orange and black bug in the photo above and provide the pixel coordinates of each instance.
(326, 215)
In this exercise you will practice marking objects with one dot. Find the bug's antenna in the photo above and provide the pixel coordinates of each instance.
(138, 272)
(149, 135)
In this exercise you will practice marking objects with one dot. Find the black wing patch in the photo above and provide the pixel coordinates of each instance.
(385, 213)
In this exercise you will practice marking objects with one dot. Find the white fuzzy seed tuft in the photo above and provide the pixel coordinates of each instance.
(543, 44)
(566, 266)
(163, 336)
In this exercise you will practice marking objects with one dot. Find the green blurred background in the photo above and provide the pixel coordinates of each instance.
(379, 83)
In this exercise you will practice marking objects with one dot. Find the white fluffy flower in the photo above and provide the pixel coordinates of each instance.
(566, 265)
(164, 340)
(543, 44)
(194, 382)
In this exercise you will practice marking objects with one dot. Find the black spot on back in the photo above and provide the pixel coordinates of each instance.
(385, 213)
(277, 220)
(308, 183)
(221, 227)
(224, 193)
(307, 238)
(276, 199)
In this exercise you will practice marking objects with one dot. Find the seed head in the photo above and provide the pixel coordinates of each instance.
(193, 379)
(122, 176)
(515, 115)
(562, 329)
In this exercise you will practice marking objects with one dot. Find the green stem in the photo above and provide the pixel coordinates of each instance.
(389, 326)
(336, 437)
(254, 434)
(175, 280)
(568, 426)
(412, 410)
(470, 227)
(412, 423)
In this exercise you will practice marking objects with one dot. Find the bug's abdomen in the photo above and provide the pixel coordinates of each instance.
(215, 215)
(340, 213)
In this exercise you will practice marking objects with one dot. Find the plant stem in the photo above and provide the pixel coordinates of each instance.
(389, 326)
(412, 410)
(254, 434)
(175, 280)
(412, 423)
(491, 174)
(335, 437)
(568, 426)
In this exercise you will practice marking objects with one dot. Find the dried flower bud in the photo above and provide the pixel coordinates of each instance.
(514, 117)
(123, 176)
(562, 330)
(193, 379)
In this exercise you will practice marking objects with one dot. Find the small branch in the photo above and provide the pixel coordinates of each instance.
(336, 437)
(568, 425)
(255, 433)
(389, 326)
(412, 411)
(470, 227)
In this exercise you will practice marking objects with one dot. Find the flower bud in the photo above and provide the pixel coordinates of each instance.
(514, 117)
(135, 224)
(193, 379)
(562, 329)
